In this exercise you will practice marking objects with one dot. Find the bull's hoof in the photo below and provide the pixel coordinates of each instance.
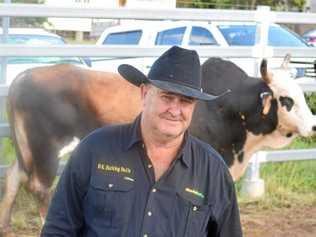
(7, 232)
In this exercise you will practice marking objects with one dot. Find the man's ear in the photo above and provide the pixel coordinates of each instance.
(144, 88)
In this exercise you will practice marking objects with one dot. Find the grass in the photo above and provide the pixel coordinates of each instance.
(286, 184)
(7, 151)
(302, 143)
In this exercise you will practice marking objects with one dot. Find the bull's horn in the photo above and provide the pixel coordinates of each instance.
(122, 3)
(286, 61)
(266, 76)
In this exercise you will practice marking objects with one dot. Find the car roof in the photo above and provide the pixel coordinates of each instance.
(239, 23)
(310, 32)
(148, 25)
(29, 31)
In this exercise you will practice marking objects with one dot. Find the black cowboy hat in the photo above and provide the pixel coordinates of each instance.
(177, 70)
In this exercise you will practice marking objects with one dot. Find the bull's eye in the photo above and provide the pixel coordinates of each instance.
(289, 134)
(286, 101)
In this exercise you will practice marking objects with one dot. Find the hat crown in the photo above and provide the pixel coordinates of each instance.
(178, 65)
(177, 70)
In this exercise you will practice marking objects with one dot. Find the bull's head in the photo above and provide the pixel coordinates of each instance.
(294, 116)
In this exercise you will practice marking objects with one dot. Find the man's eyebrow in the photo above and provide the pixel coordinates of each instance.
(176, 94)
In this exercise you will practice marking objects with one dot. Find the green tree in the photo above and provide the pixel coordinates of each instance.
(26, 21)
(284, 5)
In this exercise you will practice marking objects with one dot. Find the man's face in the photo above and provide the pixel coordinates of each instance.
(167, 113)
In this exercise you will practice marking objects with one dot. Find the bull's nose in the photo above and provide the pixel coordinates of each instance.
(314, 128)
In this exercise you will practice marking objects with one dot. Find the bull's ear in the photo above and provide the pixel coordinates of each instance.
(266, 76)
(286, 61)
(266, 98)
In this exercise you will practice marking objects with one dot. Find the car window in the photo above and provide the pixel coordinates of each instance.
(281, 37)
(201, 36)
(170, 37)
(34, 39)
(38, 40)
(238, 35)
(128, 37)
(245, 35)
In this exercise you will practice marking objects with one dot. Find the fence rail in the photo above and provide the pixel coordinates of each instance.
(42, 10)
(262, 15)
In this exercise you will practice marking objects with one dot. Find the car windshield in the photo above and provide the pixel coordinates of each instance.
(39, 40)
(128, 37)
(244, 35)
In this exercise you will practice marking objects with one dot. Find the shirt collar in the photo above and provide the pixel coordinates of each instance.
(184, 153)
(136, 137)
(134, 133)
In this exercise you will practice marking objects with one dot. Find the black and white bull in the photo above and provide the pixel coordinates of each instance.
(50, 106)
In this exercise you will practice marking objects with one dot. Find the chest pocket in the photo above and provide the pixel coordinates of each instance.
(111, 199)
(198, 214)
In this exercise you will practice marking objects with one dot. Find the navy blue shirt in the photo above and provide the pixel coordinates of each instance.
(108, 189)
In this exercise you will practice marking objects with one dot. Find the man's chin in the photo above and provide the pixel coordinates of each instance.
(172, 133)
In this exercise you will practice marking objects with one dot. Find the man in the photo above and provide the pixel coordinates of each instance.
(149, 178)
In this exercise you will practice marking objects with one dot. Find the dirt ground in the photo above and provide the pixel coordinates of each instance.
(292, 221)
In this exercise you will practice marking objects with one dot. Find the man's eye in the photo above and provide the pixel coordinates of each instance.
(167, 97)
(187, 100)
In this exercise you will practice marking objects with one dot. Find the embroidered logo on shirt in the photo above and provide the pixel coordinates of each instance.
(195, 192)
(129, 179)
(113, 168)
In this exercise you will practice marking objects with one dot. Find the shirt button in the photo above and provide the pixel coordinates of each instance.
(149, 166)
(154, 190)
(149, 213)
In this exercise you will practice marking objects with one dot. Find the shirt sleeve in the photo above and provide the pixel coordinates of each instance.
(65, 214)
(228, 223)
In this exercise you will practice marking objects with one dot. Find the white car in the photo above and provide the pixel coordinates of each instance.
(33, 36)
(204, 34)
(310, 37)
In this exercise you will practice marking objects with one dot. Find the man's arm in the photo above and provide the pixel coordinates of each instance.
(65, 215)
(229, 222)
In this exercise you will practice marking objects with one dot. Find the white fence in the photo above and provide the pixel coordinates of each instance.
(262, 15)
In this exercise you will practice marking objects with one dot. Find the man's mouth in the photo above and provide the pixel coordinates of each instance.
(172, 119)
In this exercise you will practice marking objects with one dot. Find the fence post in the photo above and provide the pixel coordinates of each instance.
(253, 185)
(264, 16)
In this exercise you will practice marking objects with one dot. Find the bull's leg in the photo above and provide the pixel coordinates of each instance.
(14, 177)
(40, 185)
(42, 194)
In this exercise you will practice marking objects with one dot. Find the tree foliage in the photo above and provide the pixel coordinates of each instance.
(243, 4)
(26, 21)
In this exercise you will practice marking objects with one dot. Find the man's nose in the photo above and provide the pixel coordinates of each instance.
(175, 107)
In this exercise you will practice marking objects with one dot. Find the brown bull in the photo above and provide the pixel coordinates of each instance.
(50, 106)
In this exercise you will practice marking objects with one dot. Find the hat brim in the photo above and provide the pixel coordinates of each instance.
(136, 77)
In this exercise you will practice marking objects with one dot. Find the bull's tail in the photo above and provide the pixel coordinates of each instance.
(17, 131)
